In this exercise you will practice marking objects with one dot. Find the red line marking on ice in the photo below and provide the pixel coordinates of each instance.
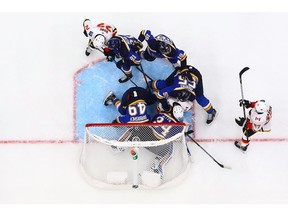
(75, 141)
(75, 91)
(39, 141)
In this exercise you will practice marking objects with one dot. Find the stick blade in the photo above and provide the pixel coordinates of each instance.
(243, 71)
(227, 167)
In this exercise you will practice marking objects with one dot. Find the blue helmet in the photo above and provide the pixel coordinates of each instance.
(114, 43)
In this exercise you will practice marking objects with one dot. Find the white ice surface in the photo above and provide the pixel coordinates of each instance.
(41, 52)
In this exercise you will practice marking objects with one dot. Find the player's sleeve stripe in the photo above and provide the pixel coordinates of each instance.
(209, 106)
(183, 58)
(123, 40)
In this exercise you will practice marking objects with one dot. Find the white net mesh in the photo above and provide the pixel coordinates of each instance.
(134, 155)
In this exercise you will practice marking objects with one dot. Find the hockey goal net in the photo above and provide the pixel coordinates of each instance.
(150, 155)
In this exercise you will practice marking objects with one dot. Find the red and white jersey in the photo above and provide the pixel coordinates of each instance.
(103, 29)
(259, 122)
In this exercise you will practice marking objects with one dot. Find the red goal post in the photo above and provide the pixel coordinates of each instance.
(147, 155)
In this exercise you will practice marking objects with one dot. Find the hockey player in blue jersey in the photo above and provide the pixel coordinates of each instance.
(162, 46)
(164, 152)
(125, 47)
(133, 106)
(184, 85)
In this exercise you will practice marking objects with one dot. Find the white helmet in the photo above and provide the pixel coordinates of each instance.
(177, 111)
(261, 106)
(99, 41)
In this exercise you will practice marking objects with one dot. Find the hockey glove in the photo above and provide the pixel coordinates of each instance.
(141, 37)
(85, 33)
(110, 58)
(240, 121)
(144, 35)
(110, 55)
(245, 103)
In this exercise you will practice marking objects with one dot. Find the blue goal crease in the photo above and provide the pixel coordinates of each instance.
(96, 81)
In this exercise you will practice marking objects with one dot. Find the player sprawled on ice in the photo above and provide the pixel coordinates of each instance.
(125, 47)
(183, 85)
(98, 35)
(162, 46)
(258, 120)
(132, 106)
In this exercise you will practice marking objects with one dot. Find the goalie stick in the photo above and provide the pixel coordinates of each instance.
(221, 165)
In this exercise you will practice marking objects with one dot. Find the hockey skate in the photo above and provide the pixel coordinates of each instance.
(125, 78)
(109, 98)
(156, 167)
(242, 148)
(211, 117)
(88, 51)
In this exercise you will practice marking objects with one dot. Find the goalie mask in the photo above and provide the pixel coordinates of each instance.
(177, 111)
(261, 106)
(99, 41)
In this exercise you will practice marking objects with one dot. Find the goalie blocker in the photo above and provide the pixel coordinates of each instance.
(159, 163)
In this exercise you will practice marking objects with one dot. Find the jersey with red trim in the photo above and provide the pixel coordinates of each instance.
(259, 122)
(104, 29)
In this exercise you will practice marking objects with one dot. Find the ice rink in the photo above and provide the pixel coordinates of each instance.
(42, 52)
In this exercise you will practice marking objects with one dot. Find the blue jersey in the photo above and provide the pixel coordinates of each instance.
(165, 131)
(128, 49)
(154, 47)
(135, 112)
(180, 83)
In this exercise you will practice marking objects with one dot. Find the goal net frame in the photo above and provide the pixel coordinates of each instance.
(136, 148)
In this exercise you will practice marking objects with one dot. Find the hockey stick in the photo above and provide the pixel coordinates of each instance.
(145, 77)
(221, 165)
(142, 71)
(119, 68)
(242, 94)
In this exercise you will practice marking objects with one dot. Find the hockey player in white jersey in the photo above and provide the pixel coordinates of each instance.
(98, 35)
(258, 120)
